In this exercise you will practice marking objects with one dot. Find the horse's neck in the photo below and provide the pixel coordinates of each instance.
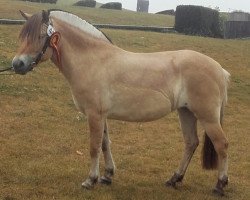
(79, 49)
(74, 33)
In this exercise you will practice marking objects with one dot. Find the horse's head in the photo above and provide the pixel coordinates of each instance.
(35, 39)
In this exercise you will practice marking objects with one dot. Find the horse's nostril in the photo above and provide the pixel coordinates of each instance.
(18, 64)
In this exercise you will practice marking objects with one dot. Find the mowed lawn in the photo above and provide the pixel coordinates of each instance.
(40, 131)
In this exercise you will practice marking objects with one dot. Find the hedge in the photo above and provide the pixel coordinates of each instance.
(86, 3)
(112, 5)
(198, 20)
(166, 12)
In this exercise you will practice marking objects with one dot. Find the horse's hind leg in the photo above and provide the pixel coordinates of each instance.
(189, 128)
(109, 163)
(220, 143)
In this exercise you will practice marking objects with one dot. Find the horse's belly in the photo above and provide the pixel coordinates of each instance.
(138, 105)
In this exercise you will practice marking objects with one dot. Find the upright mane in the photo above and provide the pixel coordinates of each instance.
(79, 23)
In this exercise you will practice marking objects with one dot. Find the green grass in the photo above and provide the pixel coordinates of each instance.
(66, 2)
(92, 15)
(40, 131)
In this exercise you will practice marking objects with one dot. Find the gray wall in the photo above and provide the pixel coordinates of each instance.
(142, 5)
(239, 16)
(237, 29)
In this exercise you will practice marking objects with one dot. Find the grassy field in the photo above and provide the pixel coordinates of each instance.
(71, 2)
(93, 15)
(40, 130)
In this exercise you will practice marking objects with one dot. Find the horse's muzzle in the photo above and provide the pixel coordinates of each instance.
(21, 65)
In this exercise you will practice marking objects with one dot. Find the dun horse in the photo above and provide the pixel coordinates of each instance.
(108, 82)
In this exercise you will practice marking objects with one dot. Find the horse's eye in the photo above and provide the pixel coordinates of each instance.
(41, 37)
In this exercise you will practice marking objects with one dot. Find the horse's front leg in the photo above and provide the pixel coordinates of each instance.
(96, 127)
(109, 163)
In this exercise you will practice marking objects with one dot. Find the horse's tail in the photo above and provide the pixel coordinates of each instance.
(210, 157)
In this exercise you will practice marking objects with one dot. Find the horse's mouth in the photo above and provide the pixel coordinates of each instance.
(23, 71)
(23, 64)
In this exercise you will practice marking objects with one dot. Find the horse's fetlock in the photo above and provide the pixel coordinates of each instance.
(109, 172)
(224, 181)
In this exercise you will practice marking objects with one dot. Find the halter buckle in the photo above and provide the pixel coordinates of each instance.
(50, 30)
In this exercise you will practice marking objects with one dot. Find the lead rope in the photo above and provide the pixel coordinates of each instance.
(6, 69)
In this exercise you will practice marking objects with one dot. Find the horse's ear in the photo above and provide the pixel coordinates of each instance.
(45, 16)
(25, 15)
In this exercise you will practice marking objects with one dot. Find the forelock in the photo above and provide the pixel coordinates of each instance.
(32, 28)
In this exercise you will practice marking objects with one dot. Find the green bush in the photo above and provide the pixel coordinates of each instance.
(198, 20)
(112, 5)
(166, 12)
(86, 3)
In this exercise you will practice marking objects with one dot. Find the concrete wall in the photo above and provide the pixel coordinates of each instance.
(237, 26)
(142, 5)
(237, 29)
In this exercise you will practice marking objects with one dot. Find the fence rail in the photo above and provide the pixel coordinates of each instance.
(12, 21)
(109, 26)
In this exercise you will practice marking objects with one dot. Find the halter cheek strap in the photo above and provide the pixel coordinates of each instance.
(50, 31)
(52, 40)
(39, 56)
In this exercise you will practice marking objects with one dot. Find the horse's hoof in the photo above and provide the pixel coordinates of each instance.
(87, 186)
(219, 192)
(173, 180)
(171, 184)
(89, 183)
(105, 180)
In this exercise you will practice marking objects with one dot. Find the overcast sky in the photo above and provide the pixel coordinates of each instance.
(159, 5)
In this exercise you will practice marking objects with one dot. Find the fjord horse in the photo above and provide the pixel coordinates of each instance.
(108, 82)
